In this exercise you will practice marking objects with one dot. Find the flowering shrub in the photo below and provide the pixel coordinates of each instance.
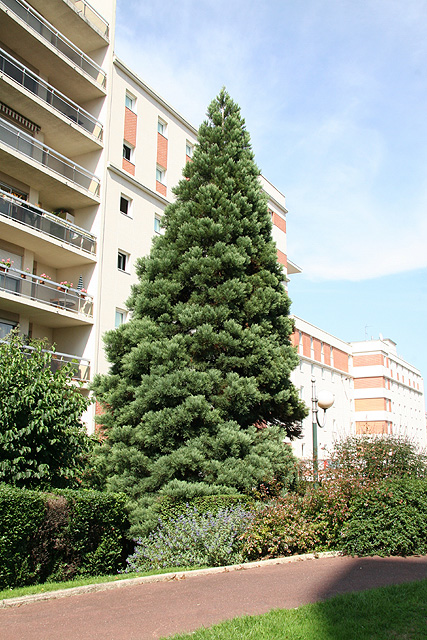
(280, 528)
(192, 539)
(6, 262)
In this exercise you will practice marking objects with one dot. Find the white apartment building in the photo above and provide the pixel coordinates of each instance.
(88, 158)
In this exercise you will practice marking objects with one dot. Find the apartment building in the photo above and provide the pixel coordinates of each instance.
(388, 392)
(328, 361)
(55, 74)
(89, 155)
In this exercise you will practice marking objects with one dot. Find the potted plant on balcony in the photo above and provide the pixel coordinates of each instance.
(25, 273)
(43, 277)
(5, 264)
(63, 286)
(82, 293)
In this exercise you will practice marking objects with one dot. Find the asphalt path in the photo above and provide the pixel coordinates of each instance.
(158, 609)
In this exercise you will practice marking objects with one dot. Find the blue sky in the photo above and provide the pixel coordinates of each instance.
(334, 94)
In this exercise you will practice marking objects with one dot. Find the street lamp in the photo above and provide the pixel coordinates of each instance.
(324, 400)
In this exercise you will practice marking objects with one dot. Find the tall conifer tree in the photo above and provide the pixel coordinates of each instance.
(199, 398)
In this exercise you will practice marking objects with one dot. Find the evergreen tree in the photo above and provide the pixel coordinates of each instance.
(198, 398)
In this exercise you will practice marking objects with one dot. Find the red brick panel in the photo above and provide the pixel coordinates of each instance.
(128, 166)
(368, 360)
(340, 360)
(373, 427)
(162, 151)
(161, 188)
(295, 338)
(317, 348)
(369, 383)
(130, 127)
(306, 345)
(282, 258)
(370, 404)
(327, 353)
(279, 222)
(188, 158)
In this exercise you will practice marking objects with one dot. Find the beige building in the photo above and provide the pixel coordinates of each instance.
(88, 158)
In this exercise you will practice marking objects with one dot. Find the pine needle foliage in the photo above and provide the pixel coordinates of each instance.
(199, 399)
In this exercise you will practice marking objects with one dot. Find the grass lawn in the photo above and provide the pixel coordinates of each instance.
(389, 613)
(78, 582)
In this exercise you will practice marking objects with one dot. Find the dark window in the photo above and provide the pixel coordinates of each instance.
(121, 261)
(124, 205)
(127, 151)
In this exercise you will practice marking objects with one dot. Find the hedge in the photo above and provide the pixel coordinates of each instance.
(59, 536)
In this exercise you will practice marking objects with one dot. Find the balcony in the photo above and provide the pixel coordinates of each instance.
(49, 172)
(47, 302)
(78, 20)
(80, 367)
(33, 38)
(29, 218)
(26, 92)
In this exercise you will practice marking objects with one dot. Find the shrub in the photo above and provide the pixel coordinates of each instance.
(388, 519)
(193, 538)
(280, 528)
(60, 536)
(22, 513)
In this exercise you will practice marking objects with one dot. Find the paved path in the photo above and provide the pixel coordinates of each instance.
(154, 610)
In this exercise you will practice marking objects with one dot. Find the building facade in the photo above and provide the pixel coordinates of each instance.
(89, 155)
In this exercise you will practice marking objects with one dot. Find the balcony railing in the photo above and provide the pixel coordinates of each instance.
(44, 155)
(80, 367)
(92, 16)
(51, 96)
(56, 294)
(36, 22)
(45, 222)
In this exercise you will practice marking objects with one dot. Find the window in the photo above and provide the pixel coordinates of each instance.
(6, 327)
(130, 101)
(161, 127)
(157, 227)
(160, 175)
(125, 205)
(120, 317)
(189, 149)
(127, 152)
(122, 260)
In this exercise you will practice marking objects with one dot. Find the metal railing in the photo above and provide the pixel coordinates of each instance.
(44, 155)
(41, 26)
(56, 294)
(80, 367)
(45, 222)
(92, 16)
(29, 80)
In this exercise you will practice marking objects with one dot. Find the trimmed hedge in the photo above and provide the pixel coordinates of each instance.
(59, 536)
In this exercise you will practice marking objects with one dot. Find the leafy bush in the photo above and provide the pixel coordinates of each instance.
(169, 507)
(193, 539)
(60, 536)
(388, 519)
(43, 443)
(280, 528)
(22, 513)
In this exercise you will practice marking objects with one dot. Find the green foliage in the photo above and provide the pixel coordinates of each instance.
(193, 539)
(22, 513)
(388, 519)
(280, 528)
(42, 441)
(169, 507)
(60, 536)
(199, 398)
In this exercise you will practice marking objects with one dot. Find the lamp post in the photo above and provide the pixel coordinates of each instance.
(324, 400)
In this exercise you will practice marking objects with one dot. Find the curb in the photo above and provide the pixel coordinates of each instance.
(163, 577)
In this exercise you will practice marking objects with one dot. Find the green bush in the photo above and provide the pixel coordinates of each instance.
(46, 536)
(388, 519)
(22, 513)
(169, 507)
